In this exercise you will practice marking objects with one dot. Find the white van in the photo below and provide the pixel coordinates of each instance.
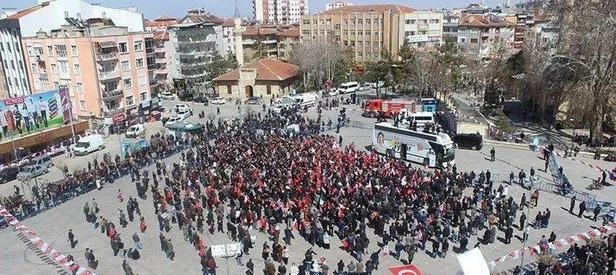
(348, 87)
(306, 100)
(89, 144)
(422, 118)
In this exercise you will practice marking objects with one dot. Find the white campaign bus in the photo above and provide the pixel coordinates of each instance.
(348, 87)
(432, 149)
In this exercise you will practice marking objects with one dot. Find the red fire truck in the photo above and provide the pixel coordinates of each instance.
(388, 107)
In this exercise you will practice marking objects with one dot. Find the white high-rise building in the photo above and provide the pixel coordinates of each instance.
(337, 4)
(279, 11)
(46, 16)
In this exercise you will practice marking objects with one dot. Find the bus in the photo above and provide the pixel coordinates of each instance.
(432, 149)
(348, 87)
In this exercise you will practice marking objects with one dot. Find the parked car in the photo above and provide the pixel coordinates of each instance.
(468, 141)
(255, 100)
(44, 160)
(218, 101)
(181, 108)
(135, 131)
(184, 115)
(167, 96)
(8, 174)
(200, 98)
(172, 120)
(31, 171)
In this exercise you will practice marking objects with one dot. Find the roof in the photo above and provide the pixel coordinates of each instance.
(256, 30)
(228, 23)
(370, 8)
(161, 35)
(201, 18)
(25, 11)
(267, 69)
(289, 33)
(485, 20)
(161, 22)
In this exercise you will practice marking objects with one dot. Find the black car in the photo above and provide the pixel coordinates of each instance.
(8, 174)
(200, 99)
(255, 100)
(468, 141)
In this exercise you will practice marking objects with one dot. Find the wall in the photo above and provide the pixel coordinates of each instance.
(53, 16)
(471, 128)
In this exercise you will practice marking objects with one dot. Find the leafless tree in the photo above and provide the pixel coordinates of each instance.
(317, 59)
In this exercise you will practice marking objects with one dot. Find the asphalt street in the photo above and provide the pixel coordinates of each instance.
(53, 224)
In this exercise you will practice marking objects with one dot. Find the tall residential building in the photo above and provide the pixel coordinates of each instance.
(337, 4)
(283, 12)
(46, 16)
(450, 25)
(194, 46)
(370, 29)
(162, 46)
(200, 16)
(105, 68)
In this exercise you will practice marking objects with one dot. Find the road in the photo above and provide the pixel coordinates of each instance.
(53, 225)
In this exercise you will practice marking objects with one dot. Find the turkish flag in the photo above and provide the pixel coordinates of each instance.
(408, 269)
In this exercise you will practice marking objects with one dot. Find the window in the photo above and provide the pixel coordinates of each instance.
(79, 87)
(368, 22)
(129, 100)
(76, 69)
(50, 50)
(143, 96)
(82, 105)
(8, 46)
(21, 65)
(306, 32)
(139, 62)
(128, 83)
(23, 80)
(74, 50)
(228, 89)
(1, 47)
(474, 40)
(434, 21)
(34, 68)
(61, 50)
(360, 32)
(16, 47)
(306, 22)
(66, 14)
(360, 22)
(269, 89)
(56, 85)
(141, 80)
(138, 46)
(123, 48)
(63, 67)
(125, 65)
(54, 68)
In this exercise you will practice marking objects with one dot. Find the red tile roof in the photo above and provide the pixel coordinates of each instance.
(267, 69)
(255, 30)
(161, 36)
(24, 12)
(289, 33)
(370, 8)
(485, 21)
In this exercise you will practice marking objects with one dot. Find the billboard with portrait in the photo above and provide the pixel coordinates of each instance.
(28, 114)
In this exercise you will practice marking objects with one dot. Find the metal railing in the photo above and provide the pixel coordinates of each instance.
(108, 75)
(113, 112)
(107, 56)
(111, 94)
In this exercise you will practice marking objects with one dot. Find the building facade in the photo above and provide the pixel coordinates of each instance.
(106, 72)
(194, 46)
(337, 4)
(283, 12)
(450, 25)
(370, 29)
(483, 35)
(46, 16)
(162, 46)
(260, 42)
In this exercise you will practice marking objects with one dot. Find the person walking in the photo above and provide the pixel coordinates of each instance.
(250, 266)
(596, 212)
(492, 154)
(572, 204)
(71, 238)
(127, 269)
(170, 252)
(137, 241)
(508, 234)
(582, 208)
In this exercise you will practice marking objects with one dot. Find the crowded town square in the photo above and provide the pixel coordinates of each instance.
(309, 202)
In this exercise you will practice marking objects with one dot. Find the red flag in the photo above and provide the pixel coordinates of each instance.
(408, 269)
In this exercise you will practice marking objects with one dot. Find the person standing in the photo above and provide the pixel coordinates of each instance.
(572, 204)
(492, 154)
(582, 208)
(251, 267)
(71, 238)
(285, 255)
(596, 212)
(170, 252)
(137, 241)
(127, 269)
(508, 234)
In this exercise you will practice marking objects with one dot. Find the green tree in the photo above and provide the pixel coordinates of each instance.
(220, 65)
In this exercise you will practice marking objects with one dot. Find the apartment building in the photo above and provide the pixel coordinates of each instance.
(422, 29)
(260, 41)
(200, 16)
(194, 46)
(481, 35)
(106, 70)
(4, 89)
(283, 12)
(337, 4)
(370, 29)
(450, 25)
(46, 16)
(162, 46)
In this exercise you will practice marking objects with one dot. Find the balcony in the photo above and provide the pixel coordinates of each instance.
(269, 41)
(160, 50)
(161, 60)
(107, 56)
(108, 75)
(43, 75)
(113, 112)
(112, 94)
